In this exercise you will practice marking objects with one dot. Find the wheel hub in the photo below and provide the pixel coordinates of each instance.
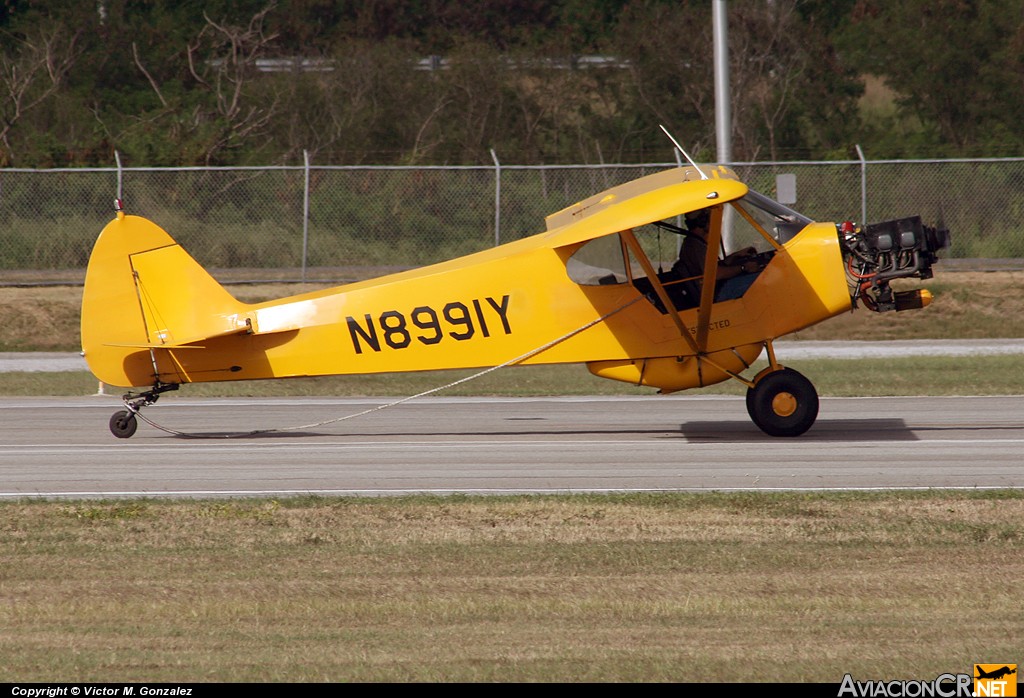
(784, 404)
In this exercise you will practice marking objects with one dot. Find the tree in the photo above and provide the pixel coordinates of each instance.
(954, 64)
(667, 47)
(790, 91)
(167, 82)
(223, 60)
(172, 85)
(33, 68)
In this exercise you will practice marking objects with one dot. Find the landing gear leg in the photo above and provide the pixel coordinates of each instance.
(123, 423)
(782, 402)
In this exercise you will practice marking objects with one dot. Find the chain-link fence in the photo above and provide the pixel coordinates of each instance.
(352, 222)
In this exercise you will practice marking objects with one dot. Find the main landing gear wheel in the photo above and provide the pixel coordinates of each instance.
(783, 403)
(123, 424)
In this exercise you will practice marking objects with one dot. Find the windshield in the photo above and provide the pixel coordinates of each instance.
(777, 221)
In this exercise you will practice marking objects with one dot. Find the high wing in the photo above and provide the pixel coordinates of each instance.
(652, 198)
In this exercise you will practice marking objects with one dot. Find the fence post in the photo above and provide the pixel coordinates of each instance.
(305, 213)
(863, 186)
(497, 198)
(120, 191)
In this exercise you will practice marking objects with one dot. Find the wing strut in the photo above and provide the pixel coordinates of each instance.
(656, 284)
(707, 287)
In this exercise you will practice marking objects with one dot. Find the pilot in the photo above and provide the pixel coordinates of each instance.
(694, 252)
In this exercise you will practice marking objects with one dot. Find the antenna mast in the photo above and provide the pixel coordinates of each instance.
(685, 154)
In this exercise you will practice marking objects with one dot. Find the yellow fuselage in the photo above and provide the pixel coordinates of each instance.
(152, 314)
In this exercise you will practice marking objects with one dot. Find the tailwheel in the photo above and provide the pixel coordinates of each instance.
(123, 424)
(783, 403)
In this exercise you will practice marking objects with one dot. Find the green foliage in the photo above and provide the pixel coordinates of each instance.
(170, 83)
(28, 245)
(954, 65)
(388, 219)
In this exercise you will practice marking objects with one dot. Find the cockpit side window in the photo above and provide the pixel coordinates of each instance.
(599, 262)
(753, 225)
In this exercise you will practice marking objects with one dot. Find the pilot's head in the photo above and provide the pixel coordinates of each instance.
(698, 219)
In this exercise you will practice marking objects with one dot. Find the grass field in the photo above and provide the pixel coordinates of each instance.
(641, 588)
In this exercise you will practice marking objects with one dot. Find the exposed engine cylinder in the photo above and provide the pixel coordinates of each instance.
(880, 252)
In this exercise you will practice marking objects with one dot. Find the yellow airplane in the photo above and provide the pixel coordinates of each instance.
(607, 285)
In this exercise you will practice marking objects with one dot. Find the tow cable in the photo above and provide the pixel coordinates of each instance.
(511, 362)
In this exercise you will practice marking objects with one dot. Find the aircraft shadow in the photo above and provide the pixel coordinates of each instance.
(824, 430)
(261, 434)
(553, 430)
(827, 430)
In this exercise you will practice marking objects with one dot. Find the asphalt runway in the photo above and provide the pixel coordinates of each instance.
(56, 448)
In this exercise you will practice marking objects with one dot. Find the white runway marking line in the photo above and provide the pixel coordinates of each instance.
(377, 492)
(38, 449)
(217, 447)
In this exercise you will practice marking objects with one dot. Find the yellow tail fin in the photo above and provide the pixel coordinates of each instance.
(144, 293)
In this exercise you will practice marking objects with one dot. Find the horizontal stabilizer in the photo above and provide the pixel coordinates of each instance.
(156, 346)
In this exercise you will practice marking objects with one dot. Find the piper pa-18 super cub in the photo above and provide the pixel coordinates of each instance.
(600, 287)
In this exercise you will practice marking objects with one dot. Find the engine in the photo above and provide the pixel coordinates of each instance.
(880, 252)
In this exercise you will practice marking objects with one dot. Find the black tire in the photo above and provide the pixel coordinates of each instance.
(783, 403)
(123, 424)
